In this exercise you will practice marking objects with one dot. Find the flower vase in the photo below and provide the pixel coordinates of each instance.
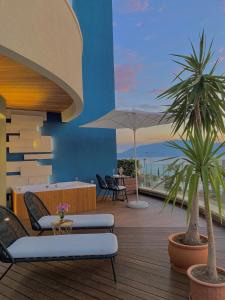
(61, 216)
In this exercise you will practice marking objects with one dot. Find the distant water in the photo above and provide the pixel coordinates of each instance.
(155, 165)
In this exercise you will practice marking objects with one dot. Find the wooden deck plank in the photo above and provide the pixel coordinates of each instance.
(7, 293)
(74, 279)
(132, 283)
(22, 288)
(97, 283)
(38, 284)
(59, 283)
(124, 285)
(142, 265)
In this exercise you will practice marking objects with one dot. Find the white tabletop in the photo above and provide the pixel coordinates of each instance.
(53, 187)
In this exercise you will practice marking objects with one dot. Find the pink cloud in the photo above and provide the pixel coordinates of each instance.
(139, 5)
(126, 77)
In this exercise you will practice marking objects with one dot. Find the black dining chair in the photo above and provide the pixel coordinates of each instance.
(102, 187)
(115, 188)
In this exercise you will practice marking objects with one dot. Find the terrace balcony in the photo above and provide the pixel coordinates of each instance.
(49, 79)
(143, 267)
(155, 170)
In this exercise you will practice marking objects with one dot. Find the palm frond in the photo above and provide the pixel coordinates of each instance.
(200, 87)
(200, 163)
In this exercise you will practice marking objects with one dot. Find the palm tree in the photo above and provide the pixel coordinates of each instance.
(197, 105)
(200, 164)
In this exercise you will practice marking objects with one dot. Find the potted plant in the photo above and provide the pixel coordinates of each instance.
(201, 164)
(197, 105)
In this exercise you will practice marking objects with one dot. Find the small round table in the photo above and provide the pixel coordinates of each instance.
(62, 226)
(120, 179)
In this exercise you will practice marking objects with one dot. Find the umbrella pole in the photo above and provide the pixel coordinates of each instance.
(135, 163)
(136, 203)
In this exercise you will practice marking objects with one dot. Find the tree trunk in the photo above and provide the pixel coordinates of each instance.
(198, 118)
(211, 265)
(192, 236)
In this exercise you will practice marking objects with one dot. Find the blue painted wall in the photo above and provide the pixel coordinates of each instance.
(82, 152)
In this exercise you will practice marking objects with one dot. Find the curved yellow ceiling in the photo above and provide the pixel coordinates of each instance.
(41, 57)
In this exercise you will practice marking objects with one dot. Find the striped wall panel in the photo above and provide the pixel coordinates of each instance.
(23, 130)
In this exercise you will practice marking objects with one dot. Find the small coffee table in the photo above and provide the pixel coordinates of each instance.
(120, 179)
(62, 226)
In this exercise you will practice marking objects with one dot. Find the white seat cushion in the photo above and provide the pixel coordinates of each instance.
(121, 187)
(84, 221)
(64, 245)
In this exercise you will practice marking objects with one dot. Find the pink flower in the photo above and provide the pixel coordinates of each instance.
(63, 207)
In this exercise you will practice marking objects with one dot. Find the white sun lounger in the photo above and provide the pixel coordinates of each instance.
(17, 246)
(80, 221)
(61, 246)
(41, 218)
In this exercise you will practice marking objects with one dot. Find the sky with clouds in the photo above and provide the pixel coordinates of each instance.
(146, 32)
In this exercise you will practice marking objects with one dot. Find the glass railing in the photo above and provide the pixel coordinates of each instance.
(153, 172)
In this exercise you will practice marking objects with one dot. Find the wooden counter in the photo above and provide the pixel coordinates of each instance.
(80, 195)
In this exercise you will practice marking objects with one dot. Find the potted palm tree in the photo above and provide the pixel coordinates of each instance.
(201, 164)
(197, 105)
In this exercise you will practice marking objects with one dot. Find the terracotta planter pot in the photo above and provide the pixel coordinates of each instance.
(200, 290)
(184, 256)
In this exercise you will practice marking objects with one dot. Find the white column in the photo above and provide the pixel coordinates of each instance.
(2, 152)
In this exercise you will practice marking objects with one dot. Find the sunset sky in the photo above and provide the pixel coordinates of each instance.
(146, 32)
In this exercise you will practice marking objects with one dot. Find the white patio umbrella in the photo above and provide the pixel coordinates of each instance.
(134, 120)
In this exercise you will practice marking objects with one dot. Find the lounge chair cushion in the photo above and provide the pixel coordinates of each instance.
(121, 187)
(84, 221)
(99, 244)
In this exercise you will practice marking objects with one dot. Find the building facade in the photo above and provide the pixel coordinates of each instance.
(82, 152)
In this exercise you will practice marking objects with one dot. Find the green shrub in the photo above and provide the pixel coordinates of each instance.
(128, 166)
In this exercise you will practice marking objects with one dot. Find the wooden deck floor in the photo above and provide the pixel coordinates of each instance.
(143, 268)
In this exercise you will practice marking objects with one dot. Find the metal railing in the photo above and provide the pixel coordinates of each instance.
(152, 173)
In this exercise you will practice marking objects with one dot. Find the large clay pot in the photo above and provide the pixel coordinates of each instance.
(184, 256)
(200, 290)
